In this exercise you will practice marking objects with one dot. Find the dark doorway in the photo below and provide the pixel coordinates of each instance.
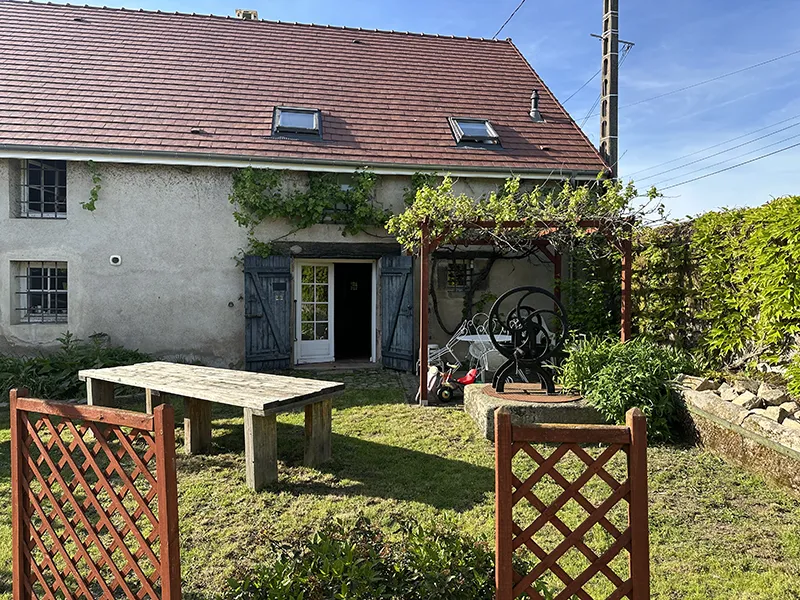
(352, 310)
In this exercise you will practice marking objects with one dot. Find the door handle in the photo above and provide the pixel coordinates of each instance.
(258, 316)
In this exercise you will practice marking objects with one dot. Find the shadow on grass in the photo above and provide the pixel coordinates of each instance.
(362, 467)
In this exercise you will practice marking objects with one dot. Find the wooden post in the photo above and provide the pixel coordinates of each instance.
(627, 276)
(504, 574)
(21, 568)
(639, 559)
(557, 275)
(424, 284)
(99, 393)
(260, 449)
(318, 433)
(196, 425)
(153, 398)
(167, 484)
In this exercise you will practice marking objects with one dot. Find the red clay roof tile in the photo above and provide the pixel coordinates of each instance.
(95, 78)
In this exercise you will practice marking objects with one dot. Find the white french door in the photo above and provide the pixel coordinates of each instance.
(314, 327)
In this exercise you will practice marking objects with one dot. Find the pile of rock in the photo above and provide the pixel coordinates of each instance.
(759, 398)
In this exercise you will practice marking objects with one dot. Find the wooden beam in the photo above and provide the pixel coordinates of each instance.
(424, 284)
(639, 557)
(318, 433)
(196, 426)
(557, 275)
(167, 483)
(152, 398)
(20, 504)
(503, 484)
(99, 393)
(260, 450)
(627, 278)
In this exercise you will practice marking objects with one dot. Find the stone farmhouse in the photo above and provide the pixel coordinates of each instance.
(153, 114)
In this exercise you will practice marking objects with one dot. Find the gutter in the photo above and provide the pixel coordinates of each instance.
(197, 159)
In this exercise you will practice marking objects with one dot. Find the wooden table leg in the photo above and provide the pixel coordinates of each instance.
(318, 432)
(99, 393)
(153, 398)
(196, 426)
(260, 449)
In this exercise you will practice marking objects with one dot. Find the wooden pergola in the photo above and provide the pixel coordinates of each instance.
(429, 244)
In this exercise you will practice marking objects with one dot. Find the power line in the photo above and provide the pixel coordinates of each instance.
(722, 162)
(717, 78)
(626, 46)
(723, 152)
(508, 19)
(587, 82)
(747, 162)
(738, 137)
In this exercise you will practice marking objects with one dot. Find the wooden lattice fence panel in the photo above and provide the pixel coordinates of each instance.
(94, 502)
(589, 547)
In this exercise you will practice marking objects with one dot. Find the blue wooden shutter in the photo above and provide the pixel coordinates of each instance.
(397, 312)
(268, 295)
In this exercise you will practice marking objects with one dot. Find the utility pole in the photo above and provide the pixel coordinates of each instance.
(609, 91)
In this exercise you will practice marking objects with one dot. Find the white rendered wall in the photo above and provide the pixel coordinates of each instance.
(178, 290)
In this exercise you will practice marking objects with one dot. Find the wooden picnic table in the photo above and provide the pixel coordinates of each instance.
(261, 395)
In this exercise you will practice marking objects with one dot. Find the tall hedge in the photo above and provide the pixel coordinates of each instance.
(727, 283)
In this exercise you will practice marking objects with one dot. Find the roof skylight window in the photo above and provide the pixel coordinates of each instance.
(473, 131)
(303, 121)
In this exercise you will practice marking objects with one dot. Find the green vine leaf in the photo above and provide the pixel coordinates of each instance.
(94, 193)
(259, 194)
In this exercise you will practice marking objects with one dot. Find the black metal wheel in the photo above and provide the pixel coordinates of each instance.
(444, 394)
(534, 318)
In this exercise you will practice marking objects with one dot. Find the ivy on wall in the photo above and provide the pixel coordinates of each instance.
(664, 298)
(94, 193)
(261, 194)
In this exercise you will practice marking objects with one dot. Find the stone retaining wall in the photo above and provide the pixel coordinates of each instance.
(744, 426)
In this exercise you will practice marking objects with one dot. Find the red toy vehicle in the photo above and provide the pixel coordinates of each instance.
(449, 384)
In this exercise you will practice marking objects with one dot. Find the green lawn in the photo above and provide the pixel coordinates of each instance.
(716, 532)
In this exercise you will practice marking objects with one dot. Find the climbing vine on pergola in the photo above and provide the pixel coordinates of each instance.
(545, 219)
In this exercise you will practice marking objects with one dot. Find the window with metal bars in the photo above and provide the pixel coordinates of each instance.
(44, 189)
(41, 292)
(459, 275)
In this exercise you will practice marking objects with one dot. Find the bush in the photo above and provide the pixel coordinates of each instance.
(360, 562)
(55, 376)
(615, 377)
(793, 376)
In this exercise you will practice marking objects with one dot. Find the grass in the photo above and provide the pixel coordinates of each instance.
(716, 532)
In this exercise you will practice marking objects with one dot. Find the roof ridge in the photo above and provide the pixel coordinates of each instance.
(270, 21)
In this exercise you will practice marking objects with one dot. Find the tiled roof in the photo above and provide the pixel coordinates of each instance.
(119, 80)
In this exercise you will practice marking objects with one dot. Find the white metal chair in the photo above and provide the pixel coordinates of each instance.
(447, 353)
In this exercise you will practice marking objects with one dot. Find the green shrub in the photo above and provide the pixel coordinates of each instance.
(615, 377)
(54, 376)
(793, 376)
(361, 562)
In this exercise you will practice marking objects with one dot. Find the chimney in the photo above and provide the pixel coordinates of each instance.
(246, 14)
(535, 114)
(609, 91)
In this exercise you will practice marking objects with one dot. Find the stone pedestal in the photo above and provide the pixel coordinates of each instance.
(480, 403)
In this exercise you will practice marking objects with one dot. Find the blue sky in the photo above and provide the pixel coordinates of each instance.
(678, 43)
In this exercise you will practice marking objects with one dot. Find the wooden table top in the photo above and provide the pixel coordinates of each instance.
(264, 393)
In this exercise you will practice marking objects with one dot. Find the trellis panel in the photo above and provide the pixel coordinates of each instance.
(513, 537)
(94, 502)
